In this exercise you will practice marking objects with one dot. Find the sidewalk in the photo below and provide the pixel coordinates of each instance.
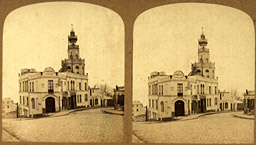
(241, 114)
(194, 116)
(62, 113)
(189, 117)
(113, 111)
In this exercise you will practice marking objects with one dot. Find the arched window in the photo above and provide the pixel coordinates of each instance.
(33, 103)
(162, 106)
(77, 69)
(69, 68)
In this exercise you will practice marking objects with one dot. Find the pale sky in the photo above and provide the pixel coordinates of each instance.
(166, 39)
(36, 36)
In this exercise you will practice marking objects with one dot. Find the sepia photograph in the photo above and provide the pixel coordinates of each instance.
(193, 75)
(63, 74)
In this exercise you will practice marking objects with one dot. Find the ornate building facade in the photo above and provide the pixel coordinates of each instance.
(52, 91)
(179, 94)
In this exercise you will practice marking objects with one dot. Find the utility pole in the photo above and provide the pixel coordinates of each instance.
(146, 113)
(17, 110)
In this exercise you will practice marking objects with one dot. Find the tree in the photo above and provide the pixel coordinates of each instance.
(235, 95)
(105, 90)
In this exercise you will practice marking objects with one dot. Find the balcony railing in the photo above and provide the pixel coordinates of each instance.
(50, 91)
(180, 94)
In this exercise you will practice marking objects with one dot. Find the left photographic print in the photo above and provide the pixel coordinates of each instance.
(63, 74)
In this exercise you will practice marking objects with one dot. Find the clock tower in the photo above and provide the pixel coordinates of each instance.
(204, 66)
(74, 63)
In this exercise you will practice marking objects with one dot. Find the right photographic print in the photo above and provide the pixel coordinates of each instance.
(193, 75)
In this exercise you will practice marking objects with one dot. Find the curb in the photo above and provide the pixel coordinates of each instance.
(200, 115)
(242, 117)
(108, 112)
(76, 110)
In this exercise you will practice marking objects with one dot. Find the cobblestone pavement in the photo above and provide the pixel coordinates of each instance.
(82, 126)
(215, 128)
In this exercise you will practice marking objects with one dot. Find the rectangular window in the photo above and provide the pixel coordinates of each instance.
(85, 86)
(180, 89)
(159, 92)
(215, 90)
(80, 98)
(20, 86)
(210, 102)
(149, 89)
(85, 97)
(26, 86)
(191, 89)
(210, 90)
(50, 86)
(33, 89)
(20, 100)
(23, 102)
(149, 103)
(27, 101)
(166, 90)
(37, 103)
(61, 82)
(152, 103)
(215, 101)
(80, 86)
(155, 89)
(156, 104)
(162, 89)
(226, 105)
(30, 85)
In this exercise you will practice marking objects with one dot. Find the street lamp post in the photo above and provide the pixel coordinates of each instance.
(17, 113)
(146, 113)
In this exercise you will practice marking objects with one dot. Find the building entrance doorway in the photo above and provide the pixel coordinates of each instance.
(50, 105)
(179, 108)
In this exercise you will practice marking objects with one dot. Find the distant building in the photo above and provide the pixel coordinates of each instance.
(51, 91)
(228, 103)
(179, 94)
(249, 97)
(138, 111)
(9, 108)
(95, 97)
(119, 98)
